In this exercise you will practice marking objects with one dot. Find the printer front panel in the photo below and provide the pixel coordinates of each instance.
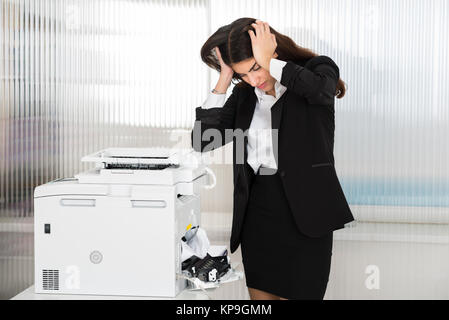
(113, 245)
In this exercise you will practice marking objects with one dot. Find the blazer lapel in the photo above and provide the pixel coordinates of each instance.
(246, 111)
(276, 115)
(245, 117)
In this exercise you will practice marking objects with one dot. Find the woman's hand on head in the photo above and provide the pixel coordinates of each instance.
(263, 44)
(225, 69)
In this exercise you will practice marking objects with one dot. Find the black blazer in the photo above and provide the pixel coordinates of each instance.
(304, 116)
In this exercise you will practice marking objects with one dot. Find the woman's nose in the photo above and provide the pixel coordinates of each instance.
(252, 80)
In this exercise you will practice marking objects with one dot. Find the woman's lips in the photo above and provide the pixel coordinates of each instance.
(261, 86)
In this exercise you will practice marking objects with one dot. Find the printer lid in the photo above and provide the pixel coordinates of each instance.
(161, 166)
(150, 156)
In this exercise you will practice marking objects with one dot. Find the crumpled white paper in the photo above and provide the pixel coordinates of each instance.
(199, 246)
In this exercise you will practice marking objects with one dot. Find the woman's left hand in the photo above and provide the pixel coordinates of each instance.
(263, 43)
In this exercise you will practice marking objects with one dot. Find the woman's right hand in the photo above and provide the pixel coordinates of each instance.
(225, 69)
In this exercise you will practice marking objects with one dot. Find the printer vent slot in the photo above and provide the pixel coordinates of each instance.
(50, 279)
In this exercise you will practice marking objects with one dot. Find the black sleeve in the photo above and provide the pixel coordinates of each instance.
(214, 127)
(316, 81)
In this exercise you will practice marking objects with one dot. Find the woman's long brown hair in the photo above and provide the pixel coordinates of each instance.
(235, 46)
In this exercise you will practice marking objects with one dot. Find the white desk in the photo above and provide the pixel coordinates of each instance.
(28, 294)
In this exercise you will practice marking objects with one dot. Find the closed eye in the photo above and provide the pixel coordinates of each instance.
(244, 75)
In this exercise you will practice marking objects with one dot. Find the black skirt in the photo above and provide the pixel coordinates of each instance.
(276, 256)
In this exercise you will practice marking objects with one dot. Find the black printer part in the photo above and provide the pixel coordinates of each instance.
(206, 269)
(188, 264)
(140, 166)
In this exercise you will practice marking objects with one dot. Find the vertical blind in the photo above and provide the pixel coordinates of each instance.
(79, 76)
(391, 150)
(391, 153)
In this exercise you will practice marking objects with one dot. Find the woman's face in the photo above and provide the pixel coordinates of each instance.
(252, 73)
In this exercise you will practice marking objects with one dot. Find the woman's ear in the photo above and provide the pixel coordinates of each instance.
(275, 54)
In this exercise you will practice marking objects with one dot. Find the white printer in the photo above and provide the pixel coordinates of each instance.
(117, 229)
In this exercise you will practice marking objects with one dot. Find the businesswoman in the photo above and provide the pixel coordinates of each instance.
(287, 197)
